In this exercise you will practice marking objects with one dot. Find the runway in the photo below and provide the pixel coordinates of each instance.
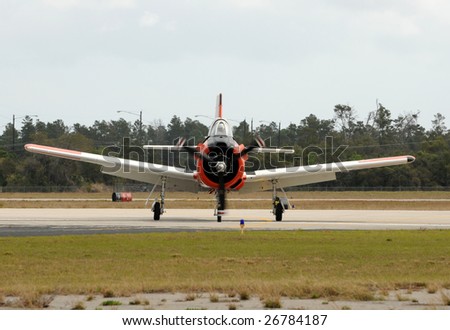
(36, 222)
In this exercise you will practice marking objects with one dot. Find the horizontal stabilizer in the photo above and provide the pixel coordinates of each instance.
(274, 150)
(163, 147)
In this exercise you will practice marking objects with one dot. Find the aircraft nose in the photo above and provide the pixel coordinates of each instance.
(221, 167)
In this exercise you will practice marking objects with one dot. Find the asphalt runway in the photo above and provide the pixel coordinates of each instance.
(43, 222)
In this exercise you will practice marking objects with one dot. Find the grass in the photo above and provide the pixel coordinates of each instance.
(272, 302)
(340, 264)
(411, 200)
(214, 298)
(79, 306)
(111, 303)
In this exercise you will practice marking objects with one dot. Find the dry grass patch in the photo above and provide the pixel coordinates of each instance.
(445, 298)
(272, 302)
(411, 200)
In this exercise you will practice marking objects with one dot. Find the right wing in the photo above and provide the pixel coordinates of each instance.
(177, 178)
(301, 175)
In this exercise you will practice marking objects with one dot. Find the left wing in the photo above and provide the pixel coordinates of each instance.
(302, 175)
(177, 177)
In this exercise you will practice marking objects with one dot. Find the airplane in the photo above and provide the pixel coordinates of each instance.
(220, 166)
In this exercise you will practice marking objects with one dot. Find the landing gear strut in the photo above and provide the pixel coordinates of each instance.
(219, 211)
(158, 205)
(278, 204)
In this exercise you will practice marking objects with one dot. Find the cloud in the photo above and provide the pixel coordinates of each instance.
(251, 3)
(435, 9)
(392, 23)
(91, 4)
(149, 19)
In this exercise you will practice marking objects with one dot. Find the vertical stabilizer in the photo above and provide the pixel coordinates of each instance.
(219, 106)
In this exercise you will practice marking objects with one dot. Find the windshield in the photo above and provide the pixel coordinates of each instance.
(220, 127)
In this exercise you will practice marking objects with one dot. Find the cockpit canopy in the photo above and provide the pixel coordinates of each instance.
(220, 128)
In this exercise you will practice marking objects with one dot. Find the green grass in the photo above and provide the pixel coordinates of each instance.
(344, 264)
(111, 303)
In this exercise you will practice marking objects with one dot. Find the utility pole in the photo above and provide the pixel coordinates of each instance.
(279, 134)
(13, 131)
(140, 125)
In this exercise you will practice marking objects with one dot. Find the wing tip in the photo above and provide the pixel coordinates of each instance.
(410, 158)
(29, 146)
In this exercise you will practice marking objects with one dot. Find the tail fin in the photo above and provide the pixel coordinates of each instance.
(219, 106)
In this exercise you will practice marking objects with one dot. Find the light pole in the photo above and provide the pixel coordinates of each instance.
(140, 120)
(14, 127)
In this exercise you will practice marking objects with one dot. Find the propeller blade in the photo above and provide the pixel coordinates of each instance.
(257, 143)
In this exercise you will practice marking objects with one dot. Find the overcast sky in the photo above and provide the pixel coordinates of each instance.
(82, 60)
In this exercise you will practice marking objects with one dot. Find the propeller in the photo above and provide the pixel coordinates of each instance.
(257, 143)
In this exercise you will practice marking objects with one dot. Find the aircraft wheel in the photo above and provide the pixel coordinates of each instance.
(219, 218)
(279, 212)
(156, 211)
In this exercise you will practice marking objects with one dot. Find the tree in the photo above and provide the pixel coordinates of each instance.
(290, 135)
(383, 123)
(56, 129)
(194, 130)
(117, 130)
(175, 129)
(438, 123)
(407, 128)
(269, 133)
(379, 136)
(28, 131)
(345, 118)
(160, 132)
(313, 131)
(242, 133)
(7, 137)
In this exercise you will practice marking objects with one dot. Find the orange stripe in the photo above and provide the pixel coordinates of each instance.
(45, 148)
(382, 159)
(220, 105)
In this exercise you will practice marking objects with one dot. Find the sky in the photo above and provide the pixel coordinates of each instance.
(280, 60)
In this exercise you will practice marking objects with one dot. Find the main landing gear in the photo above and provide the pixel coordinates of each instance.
(158, 205)
(279, 204)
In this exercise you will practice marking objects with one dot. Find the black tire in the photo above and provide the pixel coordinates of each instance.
(279, 212)
(156, 211)
(219, 218)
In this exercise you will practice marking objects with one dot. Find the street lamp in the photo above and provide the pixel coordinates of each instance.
(136, 114)
(204, 116)
(14, 127)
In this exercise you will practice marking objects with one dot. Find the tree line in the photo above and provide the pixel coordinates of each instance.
(378, 135)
